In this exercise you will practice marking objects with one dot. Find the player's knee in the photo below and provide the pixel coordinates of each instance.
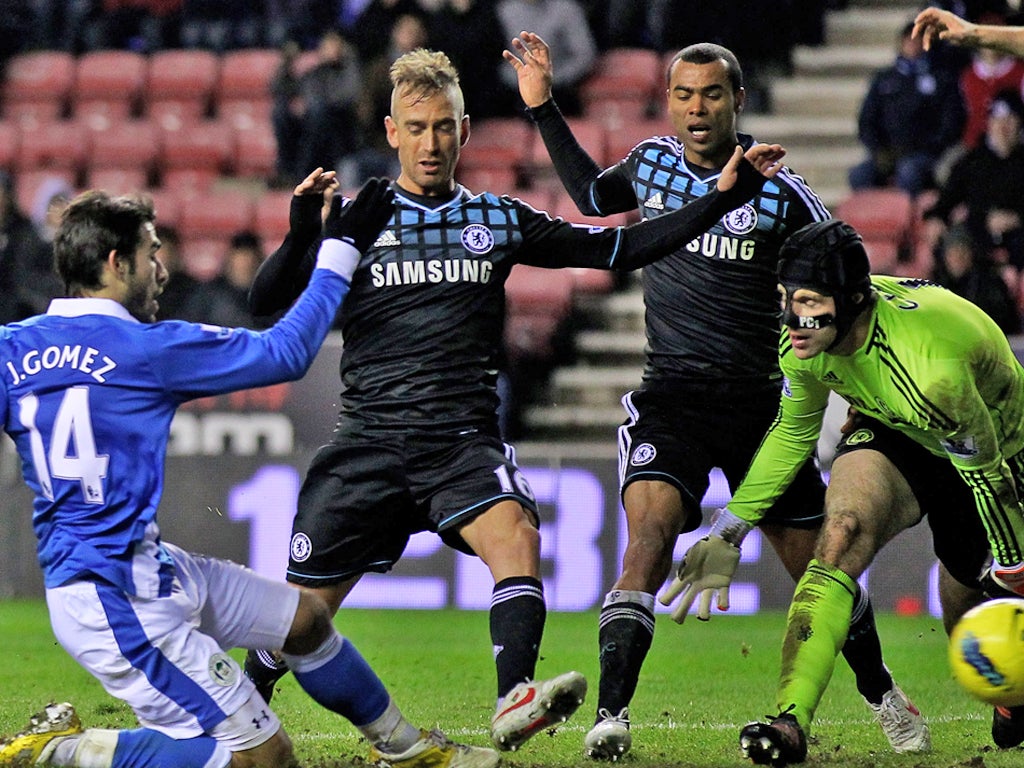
(311, 625)
(276, 752)
(843, 533)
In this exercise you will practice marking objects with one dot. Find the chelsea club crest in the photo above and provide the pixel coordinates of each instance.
(742, 220)
(478, 239)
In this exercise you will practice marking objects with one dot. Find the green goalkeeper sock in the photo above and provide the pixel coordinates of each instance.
(819, 618)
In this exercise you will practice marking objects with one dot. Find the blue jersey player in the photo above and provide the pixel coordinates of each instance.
(88, 393)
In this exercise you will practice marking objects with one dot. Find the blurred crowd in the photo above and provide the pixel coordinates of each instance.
(945, 126)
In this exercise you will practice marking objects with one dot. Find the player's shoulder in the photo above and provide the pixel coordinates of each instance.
(654, 149)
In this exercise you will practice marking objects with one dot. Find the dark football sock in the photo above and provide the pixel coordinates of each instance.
(517, 623)
(863, 651)
(625, 632)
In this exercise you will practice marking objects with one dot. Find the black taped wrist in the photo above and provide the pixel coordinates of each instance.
(304, 214)
(545, 111)
(749, 181)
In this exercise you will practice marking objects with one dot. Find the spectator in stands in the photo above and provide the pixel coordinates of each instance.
(20, 28)
(967, 273)
(372, 29)
(314, 113)
(27, 277)
(912, 113)
(301, 21)
(51, 199)
(470, 33)
(376, 157)
(222, 25)
(180, 286)
(139, 25)
(564, 25)
(988, 73)
(225, 299)
(988, 185)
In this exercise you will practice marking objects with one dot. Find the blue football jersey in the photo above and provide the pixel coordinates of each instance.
(88, 394)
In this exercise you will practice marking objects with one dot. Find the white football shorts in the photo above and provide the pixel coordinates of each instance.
(166, 656)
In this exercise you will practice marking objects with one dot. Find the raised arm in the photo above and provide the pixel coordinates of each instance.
(934, 24)
(595, 193)
(282, 277)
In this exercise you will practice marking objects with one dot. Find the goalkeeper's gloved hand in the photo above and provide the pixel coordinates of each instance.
(708, 568)
(360, 222)
(1009, 577)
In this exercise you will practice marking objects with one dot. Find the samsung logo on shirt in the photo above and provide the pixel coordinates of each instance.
(432, 271)
(717, 247)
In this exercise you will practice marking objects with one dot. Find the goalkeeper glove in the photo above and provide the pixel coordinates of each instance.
(708, 568)
(360, 222)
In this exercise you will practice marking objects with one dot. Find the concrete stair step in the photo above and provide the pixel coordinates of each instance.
(624, 348)
(869, 26)
(814, 96)
(823, 130)
(841, 60)
(598, 385)
(582, 422)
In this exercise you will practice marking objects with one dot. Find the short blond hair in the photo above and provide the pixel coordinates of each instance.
(422, 73)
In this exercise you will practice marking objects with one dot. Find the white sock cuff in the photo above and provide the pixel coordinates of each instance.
(338, 256)
(646, 599)
(310, 662)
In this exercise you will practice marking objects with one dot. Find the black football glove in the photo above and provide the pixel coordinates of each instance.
(360, 222)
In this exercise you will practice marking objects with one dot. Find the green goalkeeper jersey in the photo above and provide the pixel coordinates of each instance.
(934, 367)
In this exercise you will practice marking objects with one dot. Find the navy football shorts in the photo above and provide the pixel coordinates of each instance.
(366, 493)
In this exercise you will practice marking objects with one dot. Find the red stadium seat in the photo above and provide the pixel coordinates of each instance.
(497, 143)
(179, 85)
(108, 85)
(10, 142)
(203, 257)
(28, 183)
(500, 181)
(117, 181)
(621, 141)
(255, 151)
(884, 217)
(271, 218)
(61, 145)
(537, 302)
(131, 144)
(36, 86)
(168, 204)
(589, 133)
(216, 214)
(197, 154)
(242, 93)
(624, 86)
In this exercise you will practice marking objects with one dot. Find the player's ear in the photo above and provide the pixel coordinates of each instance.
(464, 129)
(392, 131)
(741, 99)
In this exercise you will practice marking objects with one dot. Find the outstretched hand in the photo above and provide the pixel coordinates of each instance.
(361, 221)
(766, 159)
(532, 63)
(318, 182)
(933, 24)
(706, 571)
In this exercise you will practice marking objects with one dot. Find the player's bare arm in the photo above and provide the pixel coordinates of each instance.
(766, 158)
(532, 63)
(935, 24)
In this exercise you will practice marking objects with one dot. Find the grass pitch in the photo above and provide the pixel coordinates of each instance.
(701, 683)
